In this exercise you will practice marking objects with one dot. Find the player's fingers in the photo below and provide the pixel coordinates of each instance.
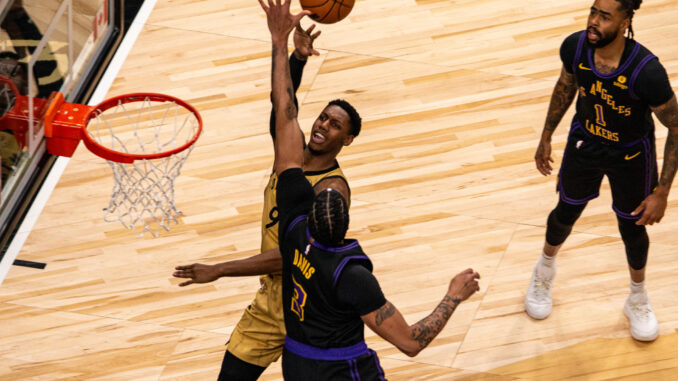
(639, 209)
(315, 35)
(297, 18)
(315, 52)
(263, 6)
(310, 29)
(476, 275)
(184, 284)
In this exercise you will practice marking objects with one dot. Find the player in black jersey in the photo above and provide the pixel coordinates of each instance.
(328, 289)
(619, 84)
(258, 338)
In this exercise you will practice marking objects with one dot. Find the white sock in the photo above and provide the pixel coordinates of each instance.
(546, 260)
(637, 287)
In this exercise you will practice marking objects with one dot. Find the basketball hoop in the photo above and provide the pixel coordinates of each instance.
(144, 137)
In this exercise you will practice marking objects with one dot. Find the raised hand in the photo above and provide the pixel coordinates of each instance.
(303, 42)
(197, 272)
(280, 20)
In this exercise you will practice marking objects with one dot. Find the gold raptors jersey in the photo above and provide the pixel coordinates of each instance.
(269, 218)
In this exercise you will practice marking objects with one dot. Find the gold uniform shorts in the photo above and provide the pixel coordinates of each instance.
(260, 334)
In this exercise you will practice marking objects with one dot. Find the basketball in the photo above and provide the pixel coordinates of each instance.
(328, 11)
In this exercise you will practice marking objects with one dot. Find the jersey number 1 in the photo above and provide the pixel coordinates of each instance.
(599, 115)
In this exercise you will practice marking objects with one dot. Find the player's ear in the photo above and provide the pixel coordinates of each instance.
(348, 140)
(625, 24)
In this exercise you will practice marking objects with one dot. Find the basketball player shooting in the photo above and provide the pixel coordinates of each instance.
(329, 292)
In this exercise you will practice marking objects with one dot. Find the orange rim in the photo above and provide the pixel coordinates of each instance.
(122, 157)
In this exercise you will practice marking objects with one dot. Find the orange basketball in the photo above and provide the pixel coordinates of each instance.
(328, 11)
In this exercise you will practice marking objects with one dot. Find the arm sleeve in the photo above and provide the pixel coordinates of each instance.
(294, 196)
(652, 84)
(567, 51)
(357, 287)
(296, 70)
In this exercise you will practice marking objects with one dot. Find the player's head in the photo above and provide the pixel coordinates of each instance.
(336, 126)
(609, 19)
(12, 68)
(328, 218)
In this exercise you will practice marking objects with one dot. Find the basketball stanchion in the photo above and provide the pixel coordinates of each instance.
(144, 137)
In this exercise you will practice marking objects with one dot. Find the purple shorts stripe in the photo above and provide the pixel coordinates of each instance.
(625, 216)
(648, 166)
(379, 368)
(353, 366)
(325, 354)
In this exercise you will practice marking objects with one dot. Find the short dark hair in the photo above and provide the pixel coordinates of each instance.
(356, 121)
(629, 7)
(328, 218)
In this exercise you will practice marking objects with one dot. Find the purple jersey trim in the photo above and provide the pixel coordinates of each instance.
(620, 69)
(294, 223)
(325, 354)
(343, 264)
(636, 73)
(339, 249)
(577, 54)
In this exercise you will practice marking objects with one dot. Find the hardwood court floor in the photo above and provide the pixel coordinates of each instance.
(453, 95)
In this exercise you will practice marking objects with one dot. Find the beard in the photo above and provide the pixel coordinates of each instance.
(604, 39)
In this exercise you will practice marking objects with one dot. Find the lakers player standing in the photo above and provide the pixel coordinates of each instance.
(619, 84)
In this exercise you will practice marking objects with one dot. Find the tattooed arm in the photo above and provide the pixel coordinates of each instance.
(561, 99)
(390, 324)
(288, 145)
(654, 206)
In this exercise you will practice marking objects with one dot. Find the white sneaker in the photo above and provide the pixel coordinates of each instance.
(538, 303)
(643, 322)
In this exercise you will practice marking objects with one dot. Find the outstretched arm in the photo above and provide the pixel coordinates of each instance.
(561, 99)
(654, 206)
(303, 48)
(288, 144)
(389, 323)
(265, 263)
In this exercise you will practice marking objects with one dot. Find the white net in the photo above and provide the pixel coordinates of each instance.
(143, 193)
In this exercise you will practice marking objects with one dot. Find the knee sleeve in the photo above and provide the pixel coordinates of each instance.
(636, 242)
(233, 368)
(560, 222)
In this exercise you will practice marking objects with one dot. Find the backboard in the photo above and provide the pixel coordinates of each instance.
(59, 46)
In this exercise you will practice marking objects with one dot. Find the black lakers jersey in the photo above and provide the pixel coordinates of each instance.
(607, 106)
(310, 303)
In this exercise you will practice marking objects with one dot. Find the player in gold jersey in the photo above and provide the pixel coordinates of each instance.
(258, 338)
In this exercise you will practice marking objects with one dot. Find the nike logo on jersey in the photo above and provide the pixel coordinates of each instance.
(581, 66)
(627, 157)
